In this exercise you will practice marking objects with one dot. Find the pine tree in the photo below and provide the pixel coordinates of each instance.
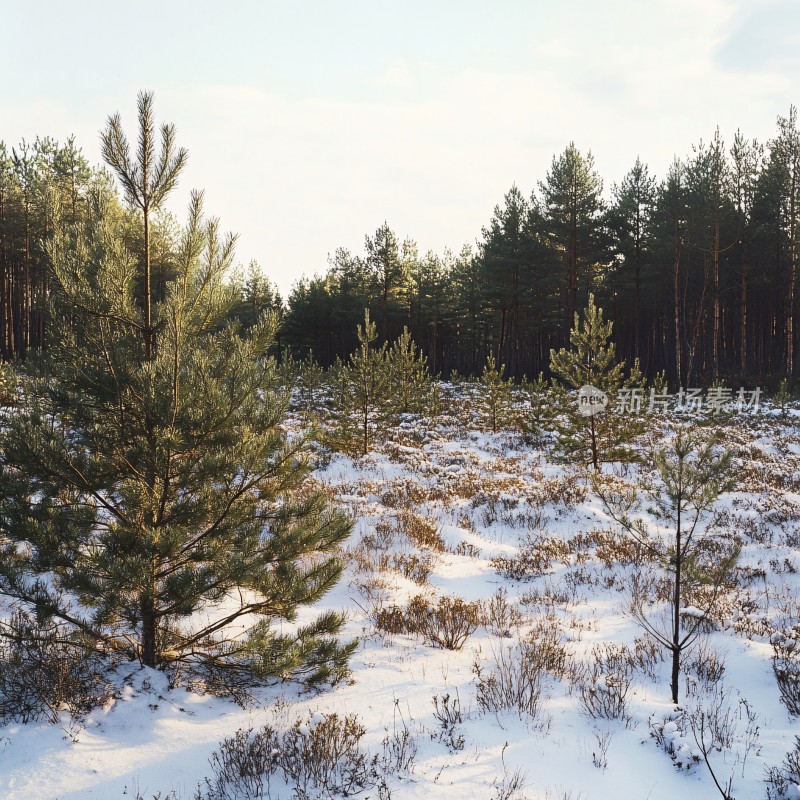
(603, 436)
(257, 295)
(409, 377)
(339, 431)
(629, 222)
(149, 496)
(366, 381)
(541, 400)
(694, 473)
(387, 269)
(496, 401)
(746, 164)
(309, 384)
(782, 396)
(714, 229)
(785, 151)
(147, 179)
(572, 208)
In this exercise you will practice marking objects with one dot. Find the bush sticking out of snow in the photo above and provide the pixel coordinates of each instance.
(420, 531)
(511, 682)
(784, 781)
(318, 757)
(786, 666)
(604, 696)
(447, 712)
(671, 733)
(500, 616)
(47, 670)
(448, 624)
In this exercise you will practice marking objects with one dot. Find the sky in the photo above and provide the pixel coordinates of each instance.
(309, 124)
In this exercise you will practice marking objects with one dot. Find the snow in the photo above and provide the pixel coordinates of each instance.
(489, 496)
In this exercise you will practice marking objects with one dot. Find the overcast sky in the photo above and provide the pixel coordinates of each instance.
(310, 123)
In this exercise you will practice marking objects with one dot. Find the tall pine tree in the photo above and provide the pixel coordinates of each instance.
(150, 498)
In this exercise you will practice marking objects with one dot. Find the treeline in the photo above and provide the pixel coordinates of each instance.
(38, 183)
(46, 187)
(697, 270)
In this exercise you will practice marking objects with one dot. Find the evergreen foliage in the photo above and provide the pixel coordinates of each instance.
(541, 399)
(496, 401)
(603, 436)
(693, 473)
(572, 209)
(782, 396)
(363, 386)
(409, 378)
(698, 268)
(150, 498)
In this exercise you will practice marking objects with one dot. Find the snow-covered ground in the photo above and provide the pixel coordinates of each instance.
(481, 500)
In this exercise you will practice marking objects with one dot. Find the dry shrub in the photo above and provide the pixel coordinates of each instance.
(567, 490)
(420, 531)
(499, 616)
(580, 545)
(740, 524)
(647, 654)
(705, 663)
(447, 712)
(384, 536)
(447, 624)
(603, 685)
(659, 589)
(782, 781)
(524, 518)
(612, 548)
(512, 681)
(612, 658)
(319, 757)
(243, 765)
(325, 759)
(467, 549)
(604, 697)
(368, 558)
(786, 666)
(514, 677)
(462, 485)
(552, 594)
(535, 557)
(583, 575)
(407, 494)
(546, 648)
(414, 566)
(47, 669)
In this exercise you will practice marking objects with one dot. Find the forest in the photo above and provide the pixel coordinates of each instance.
(698, 269)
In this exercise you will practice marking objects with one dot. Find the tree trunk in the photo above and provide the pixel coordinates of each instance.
(716, 329)
(595, 462)
(743, 314)
(149, 629)
(676, 601)
(676, 294)
(148, 324)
